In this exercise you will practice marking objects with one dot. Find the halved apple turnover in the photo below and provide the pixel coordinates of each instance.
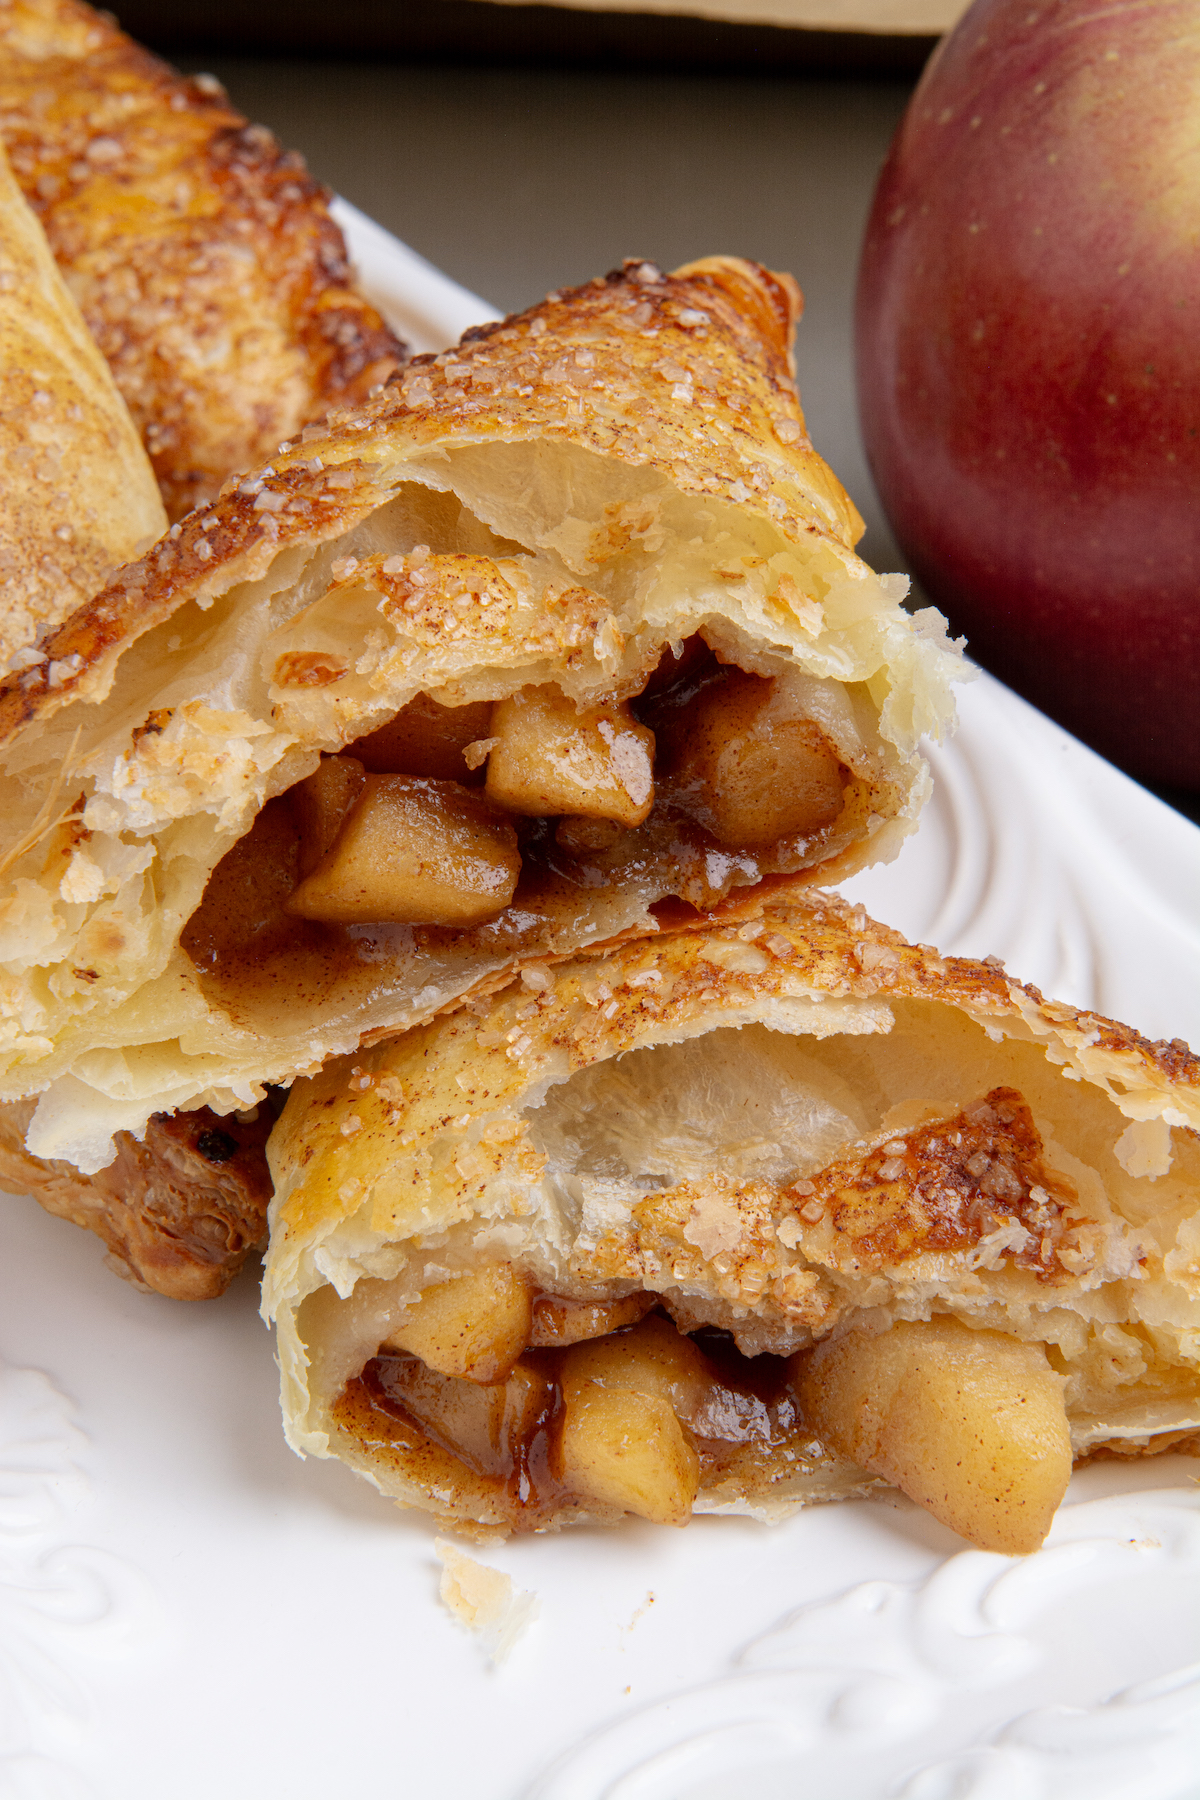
(566, 623)
(755, 1212)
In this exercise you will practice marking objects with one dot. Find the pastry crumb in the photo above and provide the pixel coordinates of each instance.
(484, 1600)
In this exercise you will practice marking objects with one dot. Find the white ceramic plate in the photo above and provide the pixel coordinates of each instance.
(187, 1611)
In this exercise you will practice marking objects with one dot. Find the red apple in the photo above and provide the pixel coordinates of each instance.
(1029, 359)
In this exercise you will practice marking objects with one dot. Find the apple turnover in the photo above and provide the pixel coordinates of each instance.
(763, 1210)
(564, 624)
(202, 254)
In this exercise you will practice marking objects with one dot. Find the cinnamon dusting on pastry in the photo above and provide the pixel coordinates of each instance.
(951, 1184)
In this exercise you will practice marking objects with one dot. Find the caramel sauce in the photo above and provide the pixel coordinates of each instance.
(426, 738)
(663, 702)
(428, 1427)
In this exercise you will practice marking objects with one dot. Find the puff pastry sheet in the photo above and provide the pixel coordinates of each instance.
(559, 500)
(770, 1120)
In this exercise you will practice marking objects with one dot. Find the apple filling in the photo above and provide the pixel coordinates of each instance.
(501, 816)
(635, 1417)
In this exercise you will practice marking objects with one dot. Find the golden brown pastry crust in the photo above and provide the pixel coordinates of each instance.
(78, 495)
(202, 255)
(985, 1187)
(557, 501)
(497, 387)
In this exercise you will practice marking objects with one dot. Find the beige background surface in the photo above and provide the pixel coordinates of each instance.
(922, 16)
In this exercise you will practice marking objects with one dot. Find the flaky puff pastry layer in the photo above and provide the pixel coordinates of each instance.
(77, 495)
(784, 1122)
(562, 500)
(202, 255)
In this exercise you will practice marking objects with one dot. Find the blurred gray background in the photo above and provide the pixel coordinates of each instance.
(519, 180)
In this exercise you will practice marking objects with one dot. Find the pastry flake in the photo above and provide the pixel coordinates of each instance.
(483, 1600)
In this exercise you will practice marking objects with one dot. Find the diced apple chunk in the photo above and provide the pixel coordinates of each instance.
(971, 1425)
(621, 1440)
(752, 775)
(413, 852)
(425, 738)
(652, 1358)
(560, 1322)
(320, 804)
(549, 758)
(474, 1326)
(625, 1449)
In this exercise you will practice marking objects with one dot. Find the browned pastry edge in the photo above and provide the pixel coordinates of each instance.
(180, 1212)
(835, 934)
(317, 489)
(924, 971)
